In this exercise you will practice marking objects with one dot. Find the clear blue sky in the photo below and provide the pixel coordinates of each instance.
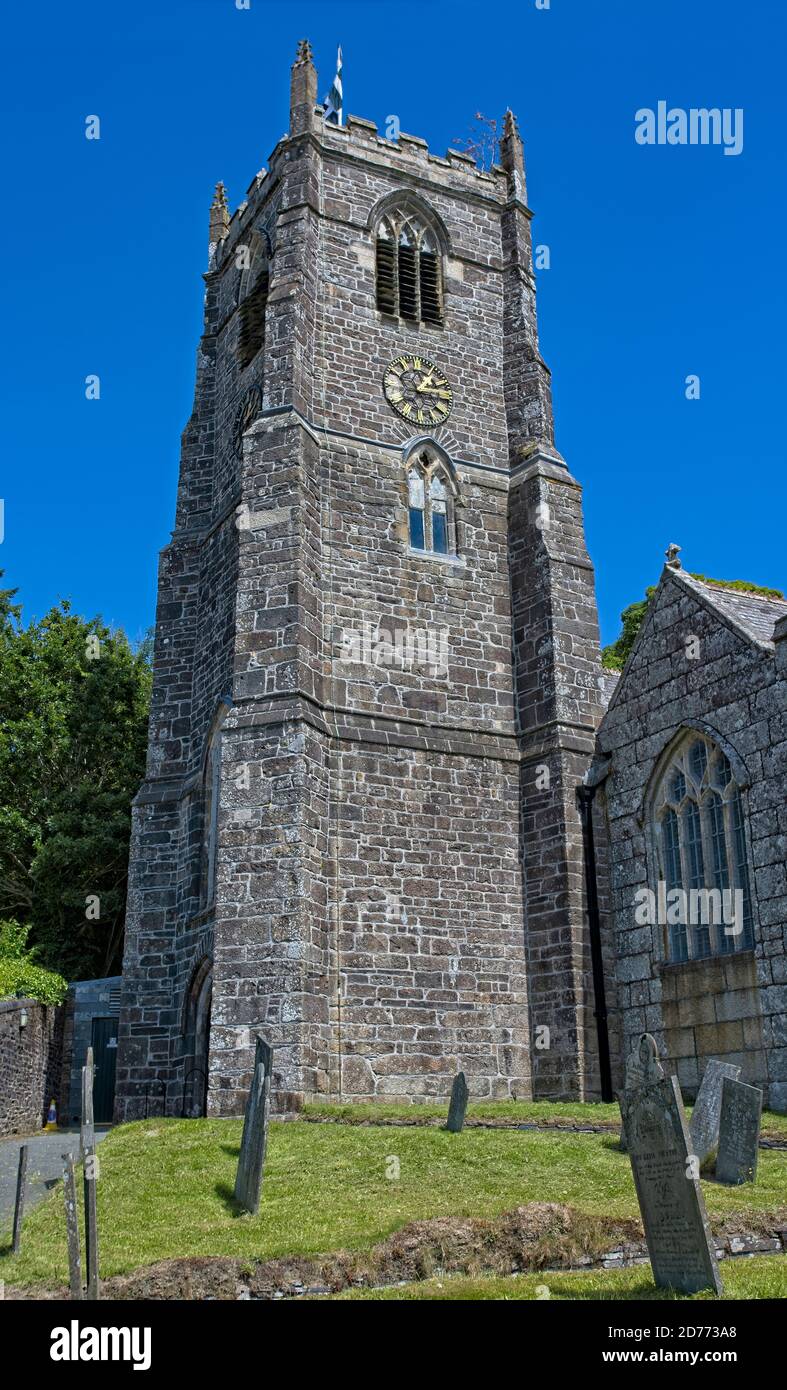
(666, 261)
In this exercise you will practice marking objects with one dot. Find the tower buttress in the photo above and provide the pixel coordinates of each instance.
(556, 648)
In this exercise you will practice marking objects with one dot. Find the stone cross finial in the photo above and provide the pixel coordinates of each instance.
(672, 553)
(304, 54)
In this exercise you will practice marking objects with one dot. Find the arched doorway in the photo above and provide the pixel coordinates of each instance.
(196, 1031)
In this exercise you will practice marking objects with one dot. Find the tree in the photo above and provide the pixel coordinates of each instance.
(614, 657)
(74, 701)
(484, 144)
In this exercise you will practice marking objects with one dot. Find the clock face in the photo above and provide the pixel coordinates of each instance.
(418, 391)
(250, 408)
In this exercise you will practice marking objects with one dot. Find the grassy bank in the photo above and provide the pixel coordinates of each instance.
(165, 1189)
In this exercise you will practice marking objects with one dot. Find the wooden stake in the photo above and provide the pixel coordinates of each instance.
(90, 1174)
(20, 1199)
(72, 1229)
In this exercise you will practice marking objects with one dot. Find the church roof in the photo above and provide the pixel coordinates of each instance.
(756, 614)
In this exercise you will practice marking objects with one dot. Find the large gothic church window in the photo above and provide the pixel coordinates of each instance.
(700, 847)
(409, 269)
(430, 499)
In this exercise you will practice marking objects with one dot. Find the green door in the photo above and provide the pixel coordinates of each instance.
(105, 1051)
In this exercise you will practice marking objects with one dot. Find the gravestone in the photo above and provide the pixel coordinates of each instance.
(643, 1068)
(670, 1198)
(704, 1126)
(248, 1181)
(458, 1104)
(739, 1132)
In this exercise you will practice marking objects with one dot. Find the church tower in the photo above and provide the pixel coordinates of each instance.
(376, 661)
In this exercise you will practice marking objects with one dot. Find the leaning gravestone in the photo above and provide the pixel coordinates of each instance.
(643, 1068)
(704, 1126)
(458, 1104)
(739, 1132)
(669, 1194)
(248, 1181)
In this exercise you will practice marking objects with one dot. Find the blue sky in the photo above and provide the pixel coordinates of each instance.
(666, 261)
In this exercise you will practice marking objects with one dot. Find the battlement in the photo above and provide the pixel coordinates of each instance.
(361, 138)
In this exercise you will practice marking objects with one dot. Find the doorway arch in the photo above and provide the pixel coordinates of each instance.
(196, 1031)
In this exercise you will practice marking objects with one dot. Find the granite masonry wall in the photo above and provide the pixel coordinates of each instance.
(732, 1007)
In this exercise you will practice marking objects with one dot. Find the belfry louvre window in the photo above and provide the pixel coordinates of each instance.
(700, 843)
(252, 320)
(409, 270)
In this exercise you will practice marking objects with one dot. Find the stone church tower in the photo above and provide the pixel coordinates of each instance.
(376, 661)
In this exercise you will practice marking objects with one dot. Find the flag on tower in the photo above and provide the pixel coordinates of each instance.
(332, 106)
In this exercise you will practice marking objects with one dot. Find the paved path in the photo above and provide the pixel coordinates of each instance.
(44, 1167)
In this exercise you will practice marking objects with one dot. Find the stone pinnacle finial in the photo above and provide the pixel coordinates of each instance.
(512, 156)
(219, 219)
(671, 553)
(219, 197)
(303, 90)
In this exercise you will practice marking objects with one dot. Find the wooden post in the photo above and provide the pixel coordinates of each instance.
(21, 1178)
(90, 1175)
(72, 1229)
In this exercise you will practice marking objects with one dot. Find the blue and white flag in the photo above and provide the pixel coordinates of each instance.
(332, 106)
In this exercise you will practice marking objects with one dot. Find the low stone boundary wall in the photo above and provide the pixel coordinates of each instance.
(31, 1054)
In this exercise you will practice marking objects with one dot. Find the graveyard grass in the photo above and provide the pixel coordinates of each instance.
(764, 1277)
(166, 1186)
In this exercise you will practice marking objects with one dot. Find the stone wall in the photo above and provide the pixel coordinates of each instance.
(30, 1063)
(731, 1007)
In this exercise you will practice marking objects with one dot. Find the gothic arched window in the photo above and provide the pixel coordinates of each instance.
(253, 303)
(430, 501)
(700, 845)
(409, 269)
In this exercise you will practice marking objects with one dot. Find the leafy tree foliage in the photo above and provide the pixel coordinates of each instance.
(74, 701)
(19, 973)
(614, 657)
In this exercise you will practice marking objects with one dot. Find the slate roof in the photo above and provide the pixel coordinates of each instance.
(755, 613)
